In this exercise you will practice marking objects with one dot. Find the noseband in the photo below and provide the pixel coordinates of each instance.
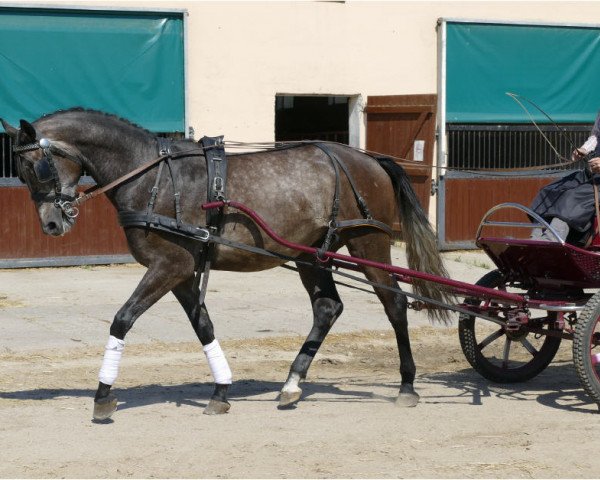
(45, 171)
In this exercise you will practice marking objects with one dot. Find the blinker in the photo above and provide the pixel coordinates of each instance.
(42, 170)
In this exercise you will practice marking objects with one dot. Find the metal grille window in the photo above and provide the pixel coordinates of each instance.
(511, 146)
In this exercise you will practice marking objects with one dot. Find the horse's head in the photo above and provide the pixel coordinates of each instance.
(51, 170)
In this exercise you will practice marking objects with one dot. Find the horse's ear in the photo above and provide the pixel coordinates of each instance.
(27, 133)
(9, 129)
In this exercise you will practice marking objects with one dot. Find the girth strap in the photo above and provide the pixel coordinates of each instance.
(163, 223)
(154, 191)
(164, 150)
(216, 168)
(216, 173)
(176, 189)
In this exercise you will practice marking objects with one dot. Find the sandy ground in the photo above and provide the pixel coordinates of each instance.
(54, 324)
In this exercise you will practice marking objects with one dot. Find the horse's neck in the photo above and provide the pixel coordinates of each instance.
(109, 156)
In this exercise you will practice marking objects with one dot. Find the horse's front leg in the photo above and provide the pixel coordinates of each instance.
(188, 296)
(154, 285)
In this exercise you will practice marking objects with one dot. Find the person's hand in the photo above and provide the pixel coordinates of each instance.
(577, 154)
(594, 164)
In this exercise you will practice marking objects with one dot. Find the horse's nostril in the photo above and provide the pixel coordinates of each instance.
(51, 226)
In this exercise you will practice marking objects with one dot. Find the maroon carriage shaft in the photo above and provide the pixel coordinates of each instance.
(458, 287)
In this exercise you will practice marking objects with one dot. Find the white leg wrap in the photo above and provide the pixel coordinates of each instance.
(112, 359)
(218, 363)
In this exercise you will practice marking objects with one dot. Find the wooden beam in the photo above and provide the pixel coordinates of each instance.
(399, 109)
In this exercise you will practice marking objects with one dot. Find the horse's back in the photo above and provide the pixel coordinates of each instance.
(293, 190)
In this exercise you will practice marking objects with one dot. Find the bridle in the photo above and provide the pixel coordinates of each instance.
(45, 171)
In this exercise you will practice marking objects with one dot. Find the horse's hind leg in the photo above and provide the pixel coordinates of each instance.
(327, 307)
(376, 247)
(202, 325)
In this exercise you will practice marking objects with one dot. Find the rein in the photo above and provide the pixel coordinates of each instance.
(69, 204)
(564, 162)
(264, 146)
(94, 191)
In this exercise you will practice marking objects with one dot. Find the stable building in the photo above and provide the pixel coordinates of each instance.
(422, 81)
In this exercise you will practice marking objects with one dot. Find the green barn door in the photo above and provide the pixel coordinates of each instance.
(130, 64)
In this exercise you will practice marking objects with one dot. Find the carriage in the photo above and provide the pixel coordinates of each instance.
(558, 285)
(313, 197)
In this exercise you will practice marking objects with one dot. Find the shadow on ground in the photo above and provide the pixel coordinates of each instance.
(557, 387)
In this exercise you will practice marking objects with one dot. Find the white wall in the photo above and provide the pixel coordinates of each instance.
(241, 54)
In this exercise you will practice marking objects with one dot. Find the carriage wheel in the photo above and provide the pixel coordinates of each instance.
(505, 356)
(586, 348)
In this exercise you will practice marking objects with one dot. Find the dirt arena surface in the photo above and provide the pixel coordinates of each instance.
(54, 324)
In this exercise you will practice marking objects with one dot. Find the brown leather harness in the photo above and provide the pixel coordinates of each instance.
(212, 148)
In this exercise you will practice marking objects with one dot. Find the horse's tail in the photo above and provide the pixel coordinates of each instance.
(421, 247)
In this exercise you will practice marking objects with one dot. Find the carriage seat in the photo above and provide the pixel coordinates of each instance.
(551, 266)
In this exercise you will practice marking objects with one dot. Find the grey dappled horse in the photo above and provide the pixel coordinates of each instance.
(292, 189)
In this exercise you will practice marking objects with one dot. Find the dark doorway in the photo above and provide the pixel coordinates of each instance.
(311, 118)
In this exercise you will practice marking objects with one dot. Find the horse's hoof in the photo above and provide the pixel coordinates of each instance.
(104, 407)
(216, 407)
(288, 399)
(407, 397)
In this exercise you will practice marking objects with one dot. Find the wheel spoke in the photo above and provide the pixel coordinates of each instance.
(489, 339)
(506, 353)
(529, 347)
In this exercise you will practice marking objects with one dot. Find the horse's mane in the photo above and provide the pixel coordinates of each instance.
(110, 116)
